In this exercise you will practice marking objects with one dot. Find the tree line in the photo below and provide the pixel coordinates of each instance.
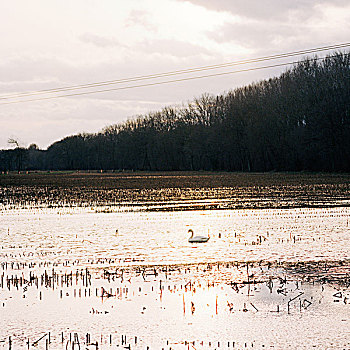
(298, 121)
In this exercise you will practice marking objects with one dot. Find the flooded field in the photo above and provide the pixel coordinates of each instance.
(102, 261)
(174, 191)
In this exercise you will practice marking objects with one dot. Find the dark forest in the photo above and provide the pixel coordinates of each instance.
(299, 121)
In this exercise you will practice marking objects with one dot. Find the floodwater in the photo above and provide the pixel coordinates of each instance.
(162, 237)
(124, 276)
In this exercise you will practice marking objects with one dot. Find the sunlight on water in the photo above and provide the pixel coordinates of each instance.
(162, 238)
(114, 276)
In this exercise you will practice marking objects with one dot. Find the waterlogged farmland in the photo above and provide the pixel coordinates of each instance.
(102, 261)
(174, 191)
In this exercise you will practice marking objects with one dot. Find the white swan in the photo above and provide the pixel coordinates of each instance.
(197, 239)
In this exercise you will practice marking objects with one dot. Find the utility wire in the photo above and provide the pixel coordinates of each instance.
(161, 82)
(172, 73)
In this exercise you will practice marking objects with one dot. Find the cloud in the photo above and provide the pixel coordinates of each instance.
(39, 69)
(140, 18)
(100, 41)
(273, 26)
(150, 57)
(259, 37)
(175, 48)
(268, 9)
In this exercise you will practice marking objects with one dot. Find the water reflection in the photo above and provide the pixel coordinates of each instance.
(161, 237)
(227, 303)
(102, 278)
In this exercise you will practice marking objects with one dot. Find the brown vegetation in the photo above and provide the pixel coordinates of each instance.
(238, 190)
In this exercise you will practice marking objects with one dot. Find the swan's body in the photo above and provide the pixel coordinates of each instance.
(197, 239)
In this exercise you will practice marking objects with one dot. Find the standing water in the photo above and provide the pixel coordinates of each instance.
(106, 268)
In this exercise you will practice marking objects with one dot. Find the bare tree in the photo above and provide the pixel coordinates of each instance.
(13, 142)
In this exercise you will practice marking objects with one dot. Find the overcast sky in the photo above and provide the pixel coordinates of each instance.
(54, 43)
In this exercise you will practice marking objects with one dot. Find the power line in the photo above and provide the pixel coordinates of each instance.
(158, 83)
(167, 74)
